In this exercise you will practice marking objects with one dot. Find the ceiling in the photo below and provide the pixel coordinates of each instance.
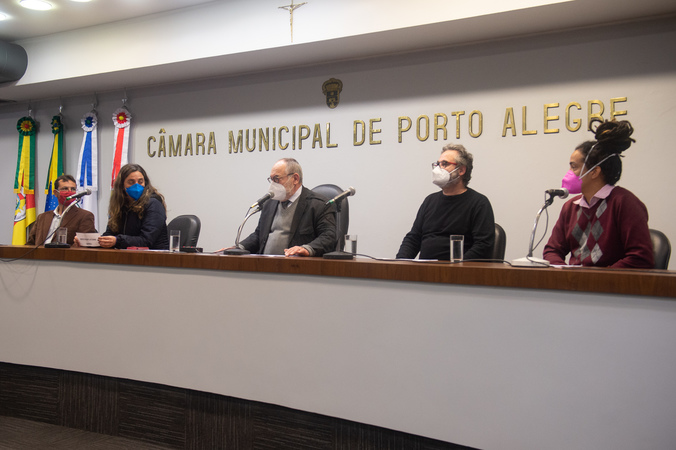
(44, 31)
(69, 15)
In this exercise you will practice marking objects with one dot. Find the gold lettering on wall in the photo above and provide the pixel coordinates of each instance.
(614, 112)
(373, 131)
(357, 138)
(457, 115)
(426, 128)
(286, 145)
(151, 152)
(401, 127)
(303, 134)
(175, 149)
(328, 136)
(472, 115)
(188, 145)
(549, 118)
(433, 123)
(509, 122)
(440, 126)
(576, 123)
(591, 115)
(524, 130)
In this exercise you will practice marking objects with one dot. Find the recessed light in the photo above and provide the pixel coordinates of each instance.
(39, 5)
(3, 16)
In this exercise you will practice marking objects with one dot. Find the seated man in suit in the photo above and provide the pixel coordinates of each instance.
(76, 220)
(301, 224)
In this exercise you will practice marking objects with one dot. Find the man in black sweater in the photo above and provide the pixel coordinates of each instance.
(456, 209)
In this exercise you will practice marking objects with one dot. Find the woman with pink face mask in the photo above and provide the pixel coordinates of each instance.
(606, 225)
(76, 220)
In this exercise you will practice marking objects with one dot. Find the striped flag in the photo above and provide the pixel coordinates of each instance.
(24, 182)
(88, 165)
(55, 164)
(122, 122)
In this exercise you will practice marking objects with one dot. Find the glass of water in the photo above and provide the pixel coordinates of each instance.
(457, 247)
(351, 244)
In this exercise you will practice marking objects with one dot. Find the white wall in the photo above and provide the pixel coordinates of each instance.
(392, 178)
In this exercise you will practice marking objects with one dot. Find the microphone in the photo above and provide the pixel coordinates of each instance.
(79, 194)
(563, 192)
(263, 199)
(342, 195)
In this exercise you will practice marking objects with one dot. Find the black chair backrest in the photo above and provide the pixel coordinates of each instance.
(661, 249)
(330, 191)
(190, 226)
(500, 243)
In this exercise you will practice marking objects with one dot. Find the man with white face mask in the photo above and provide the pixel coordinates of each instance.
(297, 221)
(607, 225)
(456, 209)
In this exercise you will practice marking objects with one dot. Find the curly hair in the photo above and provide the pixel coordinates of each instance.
(612, 138)
(464, 158)
(121, 203)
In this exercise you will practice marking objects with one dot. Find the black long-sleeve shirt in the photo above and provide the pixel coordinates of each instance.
(440, 216)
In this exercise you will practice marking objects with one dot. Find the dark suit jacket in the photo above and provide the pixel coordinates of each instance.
(77, 220)
(313, 224)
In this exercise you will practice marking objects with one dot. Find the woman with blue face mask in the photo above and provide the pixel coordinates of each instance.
(606, 225)
(137, 214)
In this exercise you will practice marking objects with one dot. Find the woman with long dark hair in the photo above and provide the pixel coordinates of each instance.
(137, 214)
(607, 225)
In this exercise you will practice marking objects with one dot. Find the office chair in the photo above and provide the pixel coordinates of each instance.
(330, 191)
(500, 243)
(661, 249)
(190, 226)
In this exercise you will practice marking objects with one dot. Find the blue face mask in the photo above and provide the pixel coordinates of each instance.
(135, 191)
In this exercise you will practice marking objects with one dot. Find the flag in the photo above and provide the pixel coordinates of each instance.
(88, 165)
(55, 164)
(122, 122)
(24, 182)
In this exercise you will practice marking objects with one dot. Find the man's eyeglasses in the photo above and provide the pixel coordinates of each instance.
(277, 179)
(443, 164)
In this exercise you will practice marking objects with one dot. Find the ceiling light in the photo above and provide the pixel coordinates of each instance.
(40, 5)
(3, 16)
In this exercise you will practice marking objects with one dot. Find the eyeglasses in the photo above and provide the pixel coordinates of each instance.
(277, 179)
(443, 164)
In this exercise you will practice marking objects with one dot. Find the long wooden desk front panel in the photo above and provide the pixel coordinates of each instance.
(658, 283)
(520, 359)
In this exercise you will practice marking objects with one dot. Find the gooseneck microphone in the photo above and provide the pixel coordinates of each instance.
(79, 194)
(263, 199)
(529, 260)
(350, 191)
(562, 192)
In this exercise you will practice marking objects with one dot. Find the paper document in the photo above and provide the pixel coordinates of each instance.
(88, 239)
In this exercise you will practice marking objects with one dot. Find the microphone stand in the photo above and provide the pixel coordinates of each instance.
(58, 244)
(237, 250)
(529, 261)
(338, 254)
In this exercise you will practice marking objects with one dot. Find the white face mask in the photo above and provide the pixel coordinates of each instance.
(442, 177)
(278, 191)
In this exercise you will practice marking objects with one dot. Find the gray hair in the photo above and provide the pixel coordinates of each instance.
(463, 158)
(292, 166)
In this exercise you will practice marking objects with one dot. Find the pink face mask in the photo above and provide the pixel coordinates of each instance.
(572, 182)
